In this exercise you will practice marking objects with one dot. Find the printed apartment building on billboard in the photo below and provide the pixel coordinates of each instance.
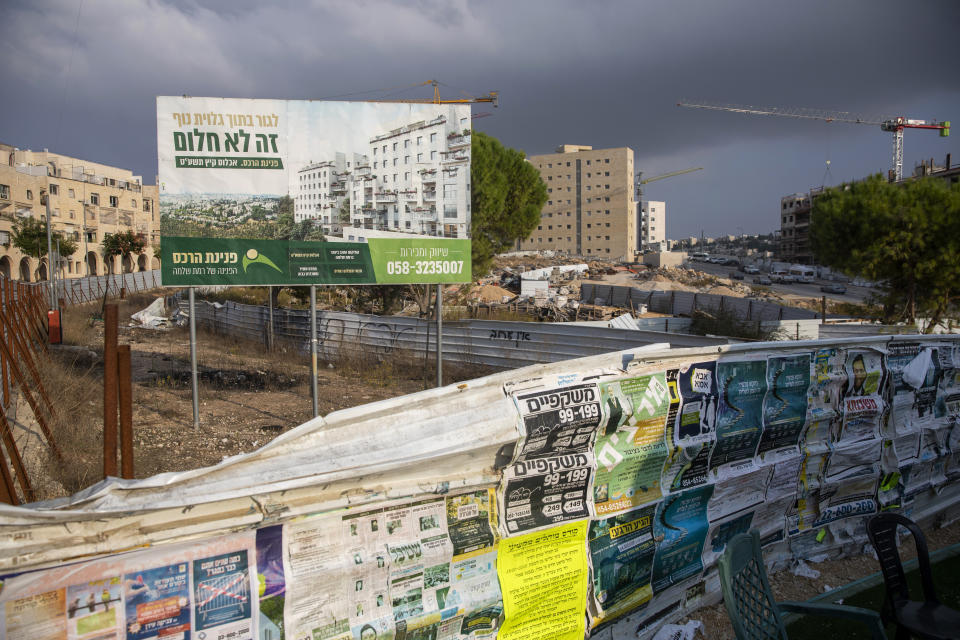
(301, 192)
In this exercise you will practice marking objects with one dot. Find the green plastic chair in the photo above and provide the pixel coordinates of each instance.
(750, 604)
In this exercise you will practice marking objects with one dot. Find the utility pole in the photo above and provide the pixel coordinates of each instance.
(50, 270)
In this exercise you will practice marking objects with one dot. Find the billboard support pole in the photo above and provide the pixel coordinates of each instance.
(270, 329)
(313, 350)
(439, 335)
(193, 361)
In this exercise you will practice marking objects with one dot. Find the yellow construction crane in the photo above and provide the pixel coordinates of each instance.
(641, 181)
(493, 97)
(894, 125)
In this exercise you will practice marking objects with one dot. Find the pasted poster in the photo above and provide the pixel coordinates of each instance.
(863, 405)
(157, 602)
(221, 596)
(561, 420)
(544, 577)
(915, 372)
(680, 530)
(785, 403)
(742, 385)
(95, 609)
(948, 396)
(38, 617)
(691, 428)
(317, 577)
(312, 192)
(545, 492)
(271, 585)
(621, 557)
(138, 595)
(631, 450)
(471, 522)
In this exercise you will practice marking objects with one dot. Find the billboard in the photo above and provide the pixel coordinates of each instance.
(299, 192)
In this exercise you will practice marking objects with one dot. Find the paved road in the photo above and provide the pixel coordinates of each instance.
(853, 294)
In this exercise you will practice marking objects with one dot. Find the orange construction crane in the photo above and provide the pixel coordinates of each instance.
(894, 125)
(492, 97)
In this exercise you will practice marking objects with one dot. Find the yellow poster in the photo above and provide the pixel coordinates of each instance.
(543, 577)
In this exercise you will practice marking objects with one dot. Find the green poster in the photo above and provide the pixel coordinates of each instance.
(238, 261)
(631, 450)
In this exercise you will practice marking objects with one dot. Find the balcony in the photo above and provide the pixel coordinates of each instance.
(456, 140)
(429, 195)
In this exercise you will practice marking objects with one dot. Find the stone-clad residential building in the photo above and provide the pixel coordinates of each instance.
(87, 201)
(591, 208)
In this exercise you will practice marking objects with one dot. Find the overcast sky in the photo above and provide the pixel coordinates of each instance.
(81, 78)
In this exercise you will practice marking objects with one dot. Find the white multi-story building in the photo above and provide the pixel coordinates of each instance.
(653, 222)
(413, 179)
(323, 188)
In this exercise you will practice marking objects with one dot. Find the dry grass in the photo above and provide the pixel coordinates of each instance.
(75, 387)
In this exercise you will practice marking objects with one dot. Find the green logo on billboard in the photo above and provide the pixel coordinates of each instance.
(253, 256)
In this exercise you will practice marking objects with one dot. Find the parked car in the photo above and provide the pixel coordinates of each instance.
(736, 276)
(751, 270)
(833, 288)
(763, 280)
(731, 262)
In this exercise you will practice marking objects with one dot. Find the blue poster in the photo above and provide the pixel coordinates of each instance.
(221, 586)
(785, 403)
(680, 530)
(157, 602)
(742, 385)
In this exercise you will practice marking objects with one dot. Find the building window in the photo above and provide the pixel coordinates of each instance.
(29, 194)
(420, 157)
(606, 161)
(95, 198)
(72, 214)
(70, 193)
(374, 162)
(394, 146)
(406, 159)
(114, 201)
(433, 137)
(433, 154)
(54, 190)
(133, 203)
(419, 141)
(4, 191)
(406, 144)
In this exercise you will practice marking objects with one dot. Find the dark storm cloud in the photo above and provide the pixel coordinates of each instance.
(603, 73)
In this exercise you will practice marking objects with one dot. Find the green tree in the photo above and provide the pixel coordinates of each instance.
(343, 215)
(30, 236)
(905, 236)
(506, 197)
(121, 243)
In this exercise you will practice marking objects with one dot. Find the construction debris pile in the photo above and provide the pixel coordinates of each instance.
(549, 287)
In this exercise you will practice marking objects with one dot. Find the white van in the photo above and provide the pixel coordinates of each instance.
(781, 276)
(803, 273)
(699, 257)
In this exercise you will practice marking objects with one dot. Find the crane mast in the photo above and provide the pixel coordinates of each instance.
(894, 125)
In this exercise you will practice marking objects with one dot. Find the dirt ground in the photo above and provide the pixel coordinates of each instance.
(248, 396)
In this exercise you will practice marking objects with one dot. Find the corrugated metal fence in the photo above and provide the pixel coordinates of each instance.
(81, 290)
(503, 345)
(683, 303)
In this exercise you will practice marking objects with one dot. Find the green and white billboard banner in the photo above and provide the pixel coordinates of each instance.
(312, 192)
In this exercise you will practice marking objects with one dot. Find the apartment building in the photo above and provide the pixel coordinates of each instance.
(87, 201)
(591, 210)
(412, 179)
(652, 223)
(795, 227)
